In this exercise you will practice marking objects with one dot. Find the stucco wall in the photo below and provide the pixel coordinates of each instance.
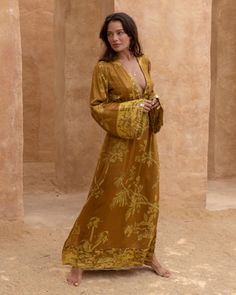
(11, 135)
(38, 52)
(171, 33)
(222, 145)
(78, 137)
(176, 35)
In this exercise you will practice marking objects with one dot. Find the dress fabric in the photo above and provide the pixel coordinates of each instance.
(117, 225)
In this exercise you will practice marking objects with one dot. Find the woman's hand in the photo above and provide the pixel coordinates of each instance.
(148, 105)
(156, 103)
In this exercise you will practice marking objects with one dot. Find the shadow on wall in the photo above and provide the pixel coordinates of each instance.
(38, 57)
(222, 131)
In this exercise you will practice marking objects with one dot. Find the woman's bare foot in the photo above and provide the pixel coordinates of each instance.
(158, 269)
(75, 276)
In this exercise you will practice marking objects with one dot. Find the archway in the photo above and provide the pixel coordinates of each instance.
(222, 128)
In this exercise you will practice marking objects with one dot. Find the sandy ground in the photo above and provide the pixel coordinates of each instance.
(198, 246)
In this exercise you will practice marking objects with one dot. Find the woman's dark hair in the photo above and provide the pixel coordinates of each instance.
(130, 29)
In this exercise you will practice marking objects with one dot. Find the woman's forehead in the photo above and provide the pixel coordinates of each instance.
(114, 26)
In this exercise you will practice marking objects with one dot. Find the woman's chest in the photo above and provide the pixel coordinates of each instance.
(123, 86)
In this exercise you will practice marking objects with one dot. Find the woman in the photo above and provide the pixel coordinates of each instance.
(117, 226)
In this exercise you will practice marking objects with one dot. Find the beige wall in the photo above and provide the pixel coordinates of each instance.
(176, 35)
(38, 78)
(11, 135)
(222, 145)
(171, 33)
(78, 137)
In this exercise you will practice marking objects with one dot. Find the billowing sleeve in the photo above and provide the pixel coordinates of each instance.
(155, 115)
(121, 119)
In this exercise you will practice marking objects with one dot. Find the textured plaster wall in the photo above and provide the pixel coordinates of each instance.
(37, 33)
(222, 146)
(11, 135)
(176, 35)
(78, 138)
(171, 33)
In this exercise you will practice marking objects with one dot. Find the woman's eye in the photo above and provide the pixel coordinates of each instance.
(110, 34)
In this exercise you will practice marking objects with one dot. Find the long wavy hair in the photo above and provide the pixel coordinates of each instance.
(130, 29)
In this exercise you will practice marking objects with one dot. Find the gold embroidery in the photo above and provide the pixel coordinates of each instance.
(114, 258)
(131, 120)
(145, 155)
(131, 196)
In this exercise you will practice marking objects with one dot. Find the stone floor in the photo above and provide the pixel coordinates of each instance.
(221, 194)
(198, 246)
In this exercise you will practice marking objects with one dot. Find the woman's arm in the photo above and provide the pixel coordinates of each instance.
(125, 119)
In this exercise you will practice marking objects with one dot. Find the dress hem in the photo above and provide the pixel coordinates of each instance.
(115, 258)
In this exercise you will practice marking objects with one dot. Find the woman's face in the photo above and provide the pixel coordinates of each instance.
(117, 37)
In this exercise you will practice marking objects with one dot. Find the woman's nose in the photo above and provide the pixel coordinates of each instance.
(115, 37)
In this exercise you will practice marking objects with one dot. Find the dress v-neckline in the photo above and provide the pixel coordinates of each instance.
(138, 87)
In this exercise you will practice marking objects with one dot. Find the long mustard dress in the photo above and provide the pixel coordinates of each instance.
(117, 225)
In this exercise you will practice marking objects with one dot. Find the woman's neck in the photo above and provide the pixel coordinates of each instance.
(125, 55)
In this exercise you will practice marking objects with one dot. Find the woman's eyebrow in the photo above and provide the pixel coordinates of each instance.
(116, 30)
